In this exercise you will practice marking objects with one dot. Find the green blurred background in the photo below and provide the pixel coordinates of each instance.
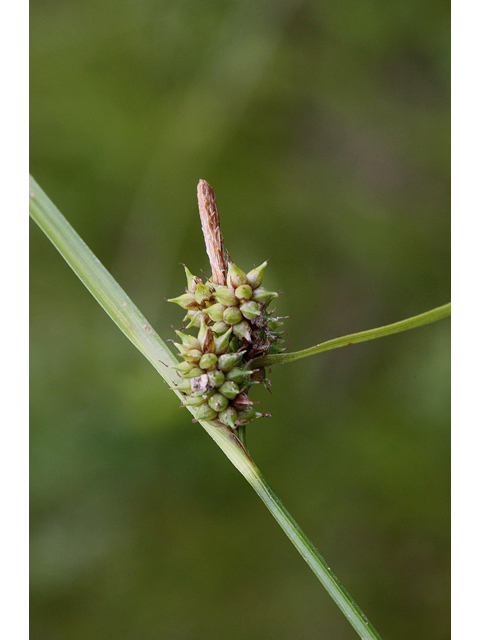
(324, 129)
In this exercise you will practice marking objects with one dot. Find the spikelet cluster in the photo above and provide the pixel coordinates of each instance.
(234, 328)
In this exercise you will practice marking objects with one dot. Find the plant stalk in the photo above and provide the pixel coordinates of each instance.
(136, 328)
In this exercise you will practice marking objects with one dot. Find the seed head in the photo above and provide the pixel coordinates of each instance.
(229, 312)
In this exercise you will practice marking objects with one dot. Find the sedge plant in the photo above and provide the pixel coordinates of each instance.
(227, 339)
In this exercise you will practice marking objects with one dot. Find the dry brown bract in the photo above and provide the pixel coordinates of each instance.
(211, 230)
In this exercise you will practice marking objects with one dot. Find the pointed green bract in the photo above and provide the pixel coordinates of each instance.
(196, 318)
(263, 296)
(215, 312)
(186, 300)
(222, 342)
(191, 342)
(205, 337)
(194, 372)
(255, 276)
(191, 280)
(184, 386)
(250, 310)
(237, 375)
(183, 367)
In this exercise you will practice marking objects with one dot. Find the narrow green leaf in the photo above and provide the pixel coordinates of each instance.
(371, 334)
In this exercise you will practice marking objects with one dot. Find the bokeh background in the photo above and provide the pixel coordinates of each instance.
(324, 129)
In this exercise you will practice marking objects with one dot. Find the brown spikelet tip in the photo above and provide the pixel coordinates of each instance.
(210, 219)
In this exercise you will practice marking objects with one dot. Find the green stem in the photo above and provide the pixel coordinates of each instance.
(134, 325)
(304, 546)
(404, 325)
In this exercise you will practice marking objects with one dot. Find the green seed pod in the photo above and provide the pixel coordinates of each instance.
(229, 360)
(215, 312)
(243, 292)
(220, 328)
(191, 280)
(183, 350)
(193, 373)
(190, 342)
(250, 309)
(196, 319)
(186, 301)
(205, 337)
(222, 342)
(226, 296)
(263, 296)
(193, 401)
(242, 330)
(216, 378)
(249, 415)
(255, 276)
(218, 402)
(193, 356)
(183, 386)
(229, 389)
(183, 367)
(228, 417)
(205, 412)
(234, 345)
(235, 276)
(202, 293)
(237, 375)
(208, 361)
(232, 315)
